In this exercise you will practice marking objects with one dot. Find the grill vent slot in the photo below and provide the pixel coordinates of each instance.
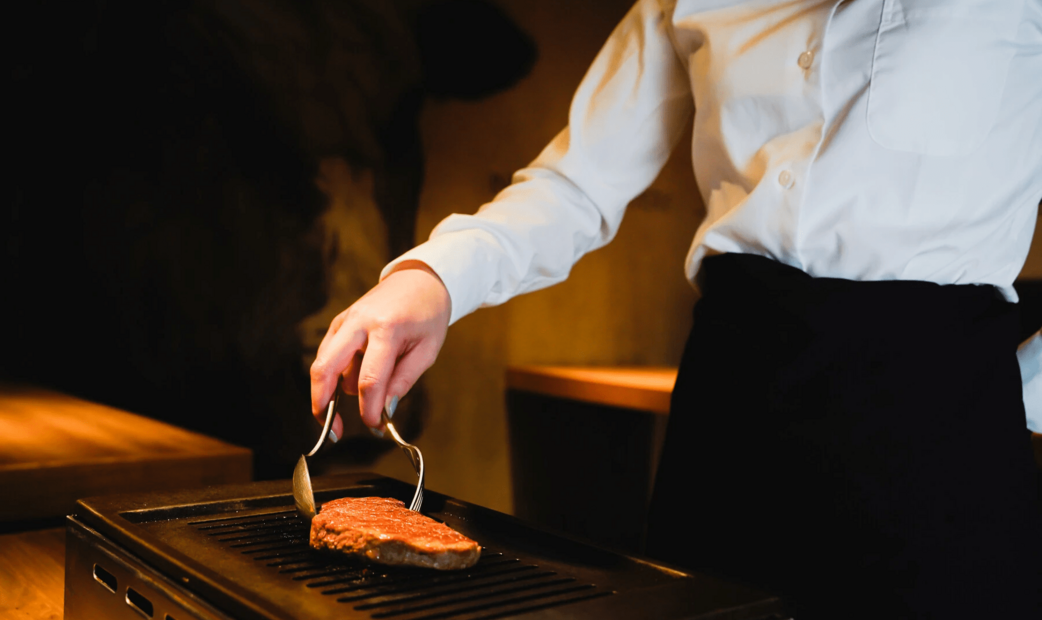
(497, 586)
(105, 578)
(139, 603)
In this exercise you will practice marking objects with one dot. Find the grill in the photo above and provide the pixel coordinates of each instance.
(242, 552)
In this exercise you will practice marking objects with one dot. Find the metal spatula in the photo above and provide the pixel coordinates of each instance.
(303, 495)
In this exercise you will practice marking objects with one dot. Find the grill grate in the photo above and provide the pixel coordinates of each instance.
(242, 552)
(498, 585)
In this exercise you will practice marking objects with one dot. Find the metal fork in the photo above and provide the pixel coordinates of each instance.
(414, 455)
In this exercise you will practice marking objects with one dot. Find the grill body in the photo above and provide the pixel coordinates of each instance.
(242, 552)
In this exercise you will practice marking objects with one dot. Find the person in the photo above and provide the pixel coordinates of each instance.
(849, 415)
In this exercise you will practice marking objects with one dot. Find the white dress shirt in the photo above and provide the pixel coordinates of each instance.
(864, 139)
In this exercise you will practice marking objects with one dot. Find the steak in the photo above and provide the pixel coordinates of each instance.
(384, 531)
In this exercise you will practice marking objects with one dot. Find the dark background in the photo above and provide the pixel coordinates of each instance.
(162, 238)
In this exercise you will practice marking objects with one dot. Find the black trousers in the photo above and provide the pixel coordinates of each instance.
(858, 447)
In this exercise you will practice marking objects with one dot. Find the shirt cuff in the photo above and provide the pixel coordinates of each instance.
(1030, 357)
(462, 262)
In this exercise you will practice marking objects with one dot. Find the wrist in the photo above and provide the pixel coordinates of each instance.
(429, 281)
(412, 264)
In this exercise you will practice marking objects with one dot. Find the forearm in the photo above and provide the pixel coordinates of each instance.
(626, 116)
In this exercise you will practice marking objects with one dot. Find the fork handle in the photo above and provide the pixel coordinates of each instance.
(330, 411)
(391, 429)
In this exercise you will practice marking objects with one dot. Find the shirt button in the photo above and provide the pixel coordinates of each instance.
(805, 60)
(785, 179)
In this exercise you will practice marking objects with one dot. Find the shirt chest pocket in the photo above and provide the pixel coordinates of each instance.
(938, 73)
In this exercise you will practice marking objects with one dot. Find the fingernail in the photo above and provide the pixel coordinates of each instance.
(331, 436)
(392, 404)
(377, 432)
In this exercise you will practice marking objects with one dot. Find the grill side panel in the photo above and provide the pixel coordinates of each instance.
(104, 581)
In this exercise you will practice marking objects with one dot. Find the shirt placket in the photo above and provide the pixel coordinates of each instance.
(809, 63)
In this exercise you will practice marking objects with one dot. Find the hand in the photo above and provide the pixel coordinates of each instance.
(382, 343)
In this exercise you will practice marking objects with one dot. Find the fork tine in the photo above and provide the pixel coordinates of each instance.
(415, 456)
(418, 496)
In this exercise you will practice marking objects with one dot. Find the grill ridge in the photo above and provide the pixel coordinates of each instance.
(286, 539)
(312, 565)
(473, 581)
(451, 591)
(466, 599)
(432, 580)
(267, 549)
(535, 606)
(243, 530)
(333, 570)
(274, 535)
(482, 565)
(519, 599)
(235, 518)
(473, 597)
(498, 585)
(349, 574)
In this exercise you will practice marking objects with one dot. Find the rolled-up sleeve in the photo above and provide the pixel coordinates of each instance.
(625, 118)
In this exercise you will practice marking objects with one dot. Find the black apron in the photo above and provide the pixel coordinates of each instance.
(859, 447)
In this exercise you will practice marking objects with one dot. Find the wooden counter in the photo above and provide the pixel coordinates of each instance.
(641, 388)
(32, 575)
(584, 447)
(55, 449)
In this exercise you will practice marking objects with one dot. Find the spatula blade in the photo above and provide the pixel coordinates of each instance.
(303, 495)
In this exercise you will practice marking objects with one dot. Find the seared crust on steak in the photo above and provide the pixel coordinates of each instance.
(384, 531)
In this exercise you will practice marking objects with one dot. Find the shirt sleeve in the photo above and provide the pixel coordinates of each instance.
(625, 118)
(1030, 357)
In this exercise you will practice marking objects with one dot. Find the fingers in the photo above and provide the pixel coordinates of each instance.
(332, 358)
(338, 426)
(409, 368)
(382, 371)
(374, 376)
(349, 378)
(383, 343)
(334, 327)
